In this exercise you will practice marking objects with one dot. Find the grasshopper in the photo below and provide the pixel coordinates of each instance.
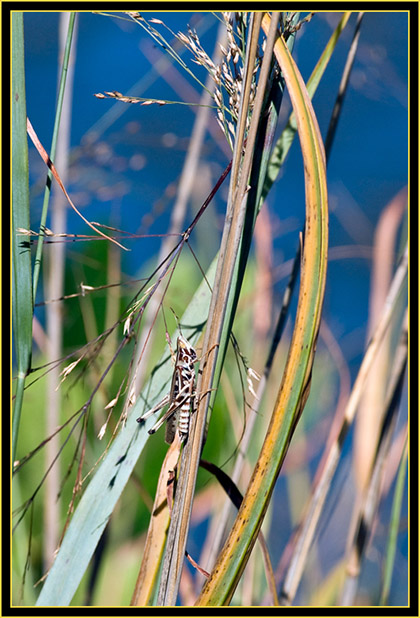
(181, 396)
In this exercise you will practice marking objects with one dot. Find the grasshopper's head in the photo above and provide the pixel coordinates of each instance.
(186, 348)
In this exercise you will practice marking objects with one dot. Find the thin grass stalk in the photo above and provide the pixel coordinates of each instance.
(314, 507)
(266, 131)
(113, 301)
(54, 315)
(227, 258)
(22, 305)
(367, 424)
(178, 211)
(57, 120)
(265, 137)
(394, 526)
(370, 500)
(342, 89)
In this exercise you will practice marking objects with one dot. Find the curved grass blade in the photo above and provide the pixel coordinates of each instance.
(294, 388)
(269, 172)
(22, 307)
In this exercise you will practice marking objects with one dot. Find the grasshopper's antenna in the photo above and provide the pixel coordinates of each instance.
(177, 321)
(167, 335)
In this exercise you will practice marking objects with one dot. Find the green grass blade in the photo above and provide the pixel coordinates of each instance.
(21, 262)
(62, 86)
(104, 490)
(395, 522)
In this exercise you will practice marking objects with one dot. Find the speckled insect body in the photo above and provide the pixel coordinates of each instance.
(181, 398)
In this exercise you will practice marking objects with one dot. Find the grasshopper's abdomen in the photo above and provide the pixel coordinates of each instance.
(184, 421)
(187, 358)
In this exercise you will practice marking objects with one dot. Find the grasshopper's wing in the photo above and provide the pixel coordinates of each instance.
(171, 426)
(172, 419)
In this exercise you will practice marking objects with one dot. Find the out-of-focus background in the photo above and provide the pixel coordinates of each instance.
(124, 170)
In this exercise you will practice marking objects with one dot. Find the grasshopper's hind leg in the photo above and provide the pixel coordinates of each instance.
(158, 407)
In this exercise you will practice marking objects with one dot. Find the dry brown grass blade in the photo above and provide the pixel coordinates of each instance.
(366, 509)
(44, 156)
(156, 534)
(367, 422)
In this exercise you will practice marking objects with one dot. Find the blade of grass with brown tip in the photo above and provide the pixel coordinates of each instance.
(44, 156)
